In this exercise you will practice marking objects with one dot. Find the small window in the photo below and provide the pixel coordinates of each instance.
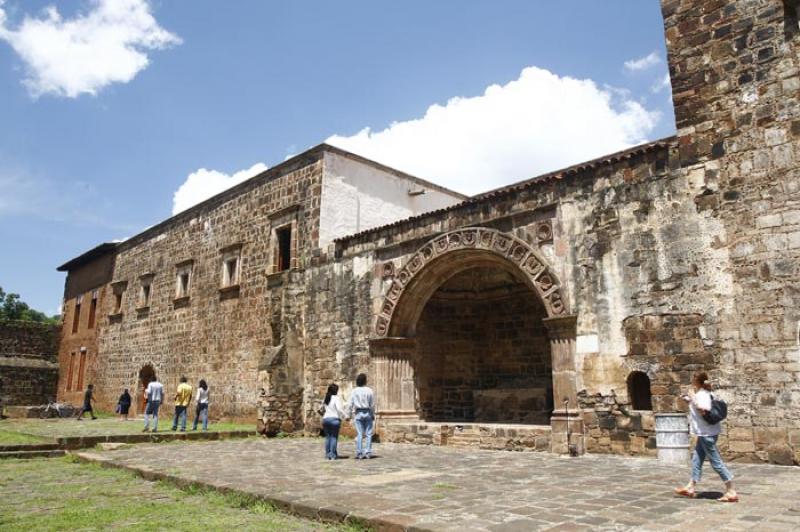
(230, 271)
(639, 391)
(117, 302)
(284, 248)
(76, 319)
(146, 291)
(93, 309)
(791, 22)
(183, 280)
(119, 295)
(71, 369)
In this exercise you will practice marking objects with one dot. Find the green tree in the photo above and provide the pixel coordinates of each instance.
(13, 308)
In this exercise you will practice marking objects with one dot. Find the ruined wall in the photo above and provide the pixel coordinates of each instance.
(734, 67)
(241, 333)
(28, 367)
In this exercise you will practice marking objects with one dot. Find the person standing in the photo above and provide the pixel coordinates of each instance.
(332, 421)
(87, 403)
(361, 408)
(202, 405)
(155, 394)
(699, 400)
(183, 398)
(124, 405)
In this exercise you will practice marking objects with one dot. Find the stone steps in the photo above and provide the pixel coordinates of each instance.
(43, 453)
(29, 447)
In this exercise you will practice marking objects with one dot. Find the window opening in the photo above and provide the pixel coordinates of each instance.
(791, 23)
(639, 391)
(93, 310)
(231, 273)
(77, 318)
(284, 250)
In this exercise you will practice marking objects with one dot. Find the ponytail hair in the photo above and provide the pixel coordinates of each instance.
(333, 389)
(700, 379)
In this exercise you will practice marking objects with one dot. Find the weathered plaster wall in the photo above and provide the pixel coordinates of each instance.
(358, 196)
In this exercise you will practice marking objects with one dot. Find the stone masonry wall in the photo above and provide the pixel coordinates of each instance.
(736, 88)
(223, 334)
(28, 367)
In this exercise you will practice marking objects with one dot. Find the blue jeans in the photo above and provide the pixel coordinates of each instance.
(706, 447)
(331, 427)
(151, 410)
(180, 414)
(363, 421)
(201, 414)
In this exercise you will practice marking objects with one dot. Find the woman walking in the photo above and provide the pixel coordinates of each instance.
(699, 400)
(202, 405)
(124, 405)
(332, 421)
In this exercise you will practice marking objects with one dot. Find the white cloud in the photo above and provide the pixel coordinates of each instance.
(664, 83)
(537, 123)
(643, 63)
(202, 184)
(81, 55)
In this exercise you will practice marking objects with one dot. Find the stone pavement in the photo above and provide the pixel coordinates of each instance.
(439, 488)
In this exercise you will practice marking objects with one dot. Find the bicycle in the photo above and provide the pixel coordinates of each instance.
(60, 410)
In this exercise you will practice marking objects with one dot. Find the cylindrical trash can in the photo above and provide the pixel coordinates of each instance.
(672, 438)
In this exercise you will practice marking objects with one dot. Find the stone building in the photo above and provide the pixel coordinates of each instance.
(28, 366)
(562, 310)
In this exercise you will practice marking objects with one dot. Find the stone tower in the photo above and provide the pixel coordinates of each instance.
(734, 69)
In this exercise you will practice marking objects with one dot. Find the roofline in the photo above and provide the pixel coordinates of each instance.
(527, 183)
(399, 173)
(98, 251)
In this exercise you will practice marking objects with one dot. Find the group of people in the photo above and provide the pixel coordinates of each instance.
(155, 396)
(360, 408)
(183, 398)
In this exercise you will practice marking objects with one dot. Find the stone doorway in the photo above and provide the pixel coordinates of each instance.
(146, 375)
(475, 329)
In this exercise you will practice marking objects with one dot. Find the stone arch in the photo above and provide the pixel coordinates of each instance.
(453, 252)
(146, 374)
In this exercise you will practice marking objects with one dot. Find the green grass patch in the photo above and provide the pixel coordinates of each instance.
(8, 437)
(62, 494)
(444, 486)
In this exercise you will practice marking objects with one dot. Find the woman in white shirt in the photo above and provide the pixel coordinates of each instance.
(332, 421)
(202, 405)
(699, 403)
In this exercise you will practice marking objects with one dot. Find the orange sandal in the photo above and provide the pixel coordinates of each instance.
(683, 492)
(728, 498)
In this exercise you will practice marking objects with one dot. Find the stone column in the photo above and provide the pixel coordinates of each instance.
(392, 372)
(567, 421)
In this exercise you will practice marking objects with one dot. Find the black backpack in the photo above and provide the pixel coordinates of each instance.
(718, 412)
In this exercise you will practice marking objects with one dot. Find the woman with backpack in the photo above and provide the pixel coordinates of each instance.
(705, 426)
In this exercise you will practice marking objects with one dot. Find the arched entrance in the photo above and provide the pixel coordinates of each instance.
(146, 375)
(475, 328)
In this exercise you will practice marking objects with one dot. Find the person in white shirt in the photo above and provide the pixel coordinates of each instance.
(332, 421)
(361, 408)
(699, 400)
(202, 405)
(155, 394)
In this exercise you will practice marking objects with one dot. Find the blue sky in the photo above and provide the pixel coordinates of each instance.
(95, 143)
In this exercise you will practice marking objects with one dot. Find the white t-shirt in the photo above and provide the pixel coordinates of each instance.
(202, 395)
(155, 391)
(700, 427)
(334, 409)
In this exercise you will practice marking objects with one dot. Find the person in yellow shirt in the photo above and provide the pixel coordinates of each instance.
(182, 399)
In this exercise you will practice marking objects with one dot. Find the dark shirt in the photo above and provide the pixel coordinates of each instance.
(87, 398)
(125, 399)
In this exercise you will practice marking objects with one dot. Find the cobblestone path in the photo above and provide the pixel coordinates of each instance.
(439, 488)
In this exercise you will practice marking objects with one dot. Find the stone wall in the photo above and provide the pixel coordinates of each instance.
(736, 89)
(28, 367)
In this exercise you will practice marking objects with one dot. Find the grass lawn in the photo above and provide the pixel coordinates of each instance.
(55, 428)
(16, 438)
(61, 494)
